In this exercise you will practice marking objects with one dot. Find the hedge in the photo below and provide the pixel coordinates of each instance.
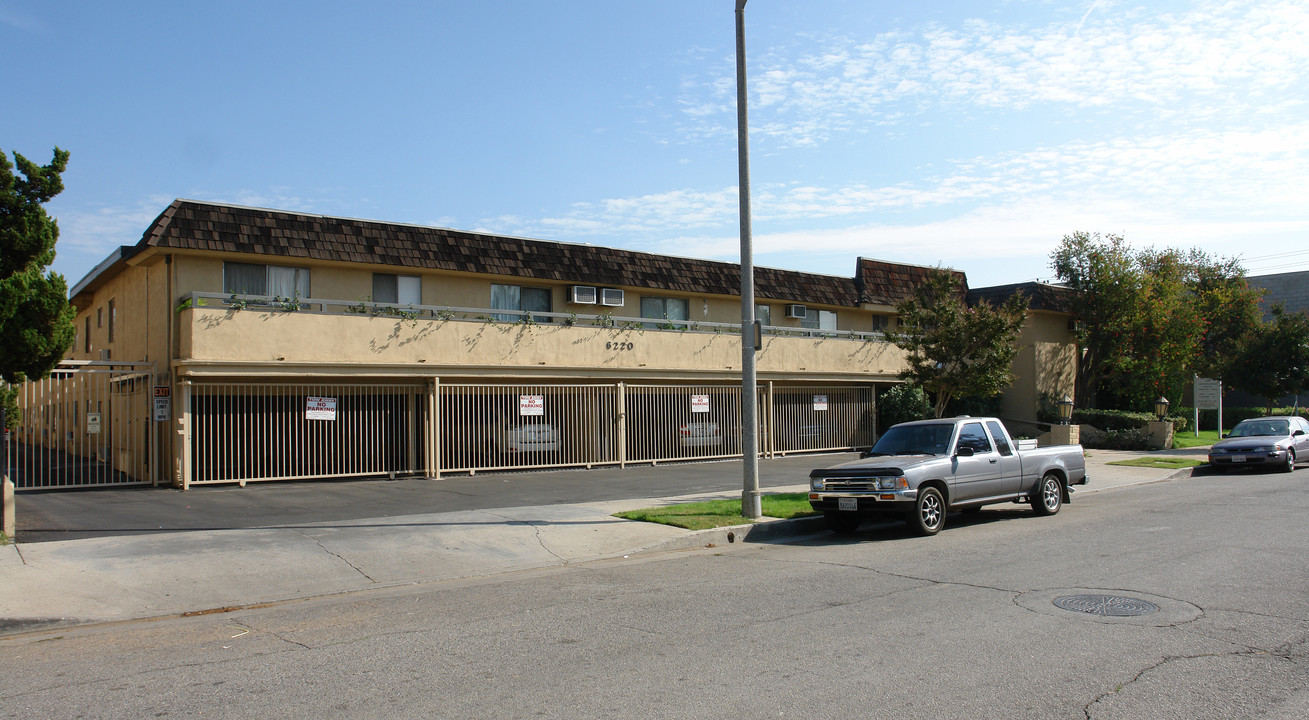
(1121, 420)
(1234, 415)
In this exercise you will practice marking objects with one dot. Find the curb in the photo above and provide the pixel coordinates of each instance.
(764, 531)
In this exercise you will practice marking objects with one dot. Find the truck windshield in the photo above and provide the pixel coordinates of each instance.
(930, 439)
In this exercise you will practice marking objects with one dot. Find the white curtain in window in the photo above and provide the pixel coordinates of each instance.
(505, 297)
(288, 282)
(409, 290)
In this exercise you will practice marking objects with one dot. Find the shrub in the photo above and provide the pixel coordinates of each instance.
(975, 406)
(1234, 415)
(902, 403)
(1128, 439)
(1110, 420)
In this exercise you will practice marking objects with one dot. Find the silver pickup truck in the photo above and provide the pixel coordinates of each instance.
(922, 469)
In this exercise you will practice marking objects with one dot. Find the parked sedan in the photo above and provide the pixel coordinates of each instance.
(1268, 441)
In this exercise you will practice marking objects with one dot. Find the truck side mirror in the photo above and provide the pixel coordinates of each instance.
(963, 452)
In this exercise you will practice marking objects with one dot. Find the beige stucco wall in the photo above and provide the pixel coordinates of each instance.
(337, 281)
(258, 337)
(140, 318)
(1046, 363)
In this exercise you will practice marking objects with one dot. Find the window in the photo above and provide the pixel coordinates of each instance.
(275, 280)
(397, 289)
(86, 338)
(881, 323)
(971, 435)
(99, 317)
(764, 314)
(997, 433)
(514, 297)
(665, 309)
(113, 314)
(819, 320)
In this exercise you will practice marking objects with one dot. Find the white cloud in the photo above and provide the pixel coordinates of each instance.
(1216, 60)
(87, 237)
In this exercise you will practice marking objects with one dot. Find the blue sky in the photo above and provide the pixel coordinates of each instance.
(969, 134)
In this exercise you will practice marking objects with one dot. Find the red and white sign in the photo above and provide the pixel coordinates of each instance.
(820, 402)
(699, 403)
(320, 408)
(531, 405)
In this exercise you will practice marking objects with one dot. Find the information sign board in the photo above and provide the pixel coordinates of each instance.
(1208, 393)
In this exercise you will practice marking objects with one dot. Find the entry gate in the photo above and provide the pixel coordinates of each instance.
(87, 425)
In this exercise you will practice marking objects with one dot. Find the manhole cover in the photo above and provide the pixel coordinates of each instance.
(1106, 605)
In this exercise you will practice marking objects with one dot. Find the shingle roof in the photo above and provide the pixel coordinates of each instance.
(884, 283)
(188, 224)
(1040, 296)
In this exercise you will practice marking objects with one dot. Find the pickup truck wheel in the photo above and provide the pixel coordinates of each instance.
(928, 516)
(1049, 496)
(842, 523)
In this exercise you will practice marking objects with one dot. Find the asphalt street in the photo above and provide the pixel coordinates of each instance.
(70, 515)
(880, 625)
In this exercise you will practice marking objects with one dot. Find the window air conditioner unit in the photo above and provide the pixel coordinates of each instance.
(797, 311)
(611, 297)
(582, 295)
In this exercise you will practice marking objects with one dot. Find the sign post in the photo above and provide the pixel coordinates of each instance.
(1208, 395)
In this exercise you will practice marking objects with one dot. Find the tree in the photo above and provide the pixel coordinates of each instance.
(956, 350)
(1230, 311)
(1163, 332)
(1145, 320)
(1274, 361)
(1105, 283)
(36, 320)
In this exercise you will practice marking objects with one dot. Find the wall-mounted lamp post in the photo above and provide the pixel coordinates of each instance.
(1161, 408)
(1065, 410)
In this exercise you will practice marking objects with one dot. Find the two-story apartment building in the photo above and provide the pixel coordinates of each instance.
(250, 344)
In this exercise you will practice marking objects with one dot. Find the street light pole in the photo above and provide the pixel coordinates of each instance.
(750, 502)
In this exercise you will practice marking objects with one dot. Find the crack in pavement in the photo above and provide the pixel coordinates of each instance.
(537, 530)
(1168, 659)
(335, 555)
(903, 576)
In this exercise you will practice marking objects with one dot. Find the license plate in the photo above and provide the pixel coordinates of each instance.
(1238, 458)
(847, 504)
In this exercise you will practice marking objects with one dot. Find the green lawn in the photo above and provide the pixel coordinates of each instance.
(1188, 439)
(721, 513)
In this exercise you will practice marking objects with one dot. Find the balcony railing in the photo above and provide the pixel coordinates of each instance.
(273, 303)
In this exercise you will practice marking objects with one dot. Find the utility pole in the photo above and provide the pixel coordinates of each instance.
(750, 337)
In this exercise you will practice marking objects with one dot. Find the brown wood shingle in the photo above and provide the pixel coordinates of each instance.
(189, 224)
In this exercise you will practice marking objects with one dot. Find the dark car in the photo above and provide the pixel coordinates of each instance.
(1268, 441)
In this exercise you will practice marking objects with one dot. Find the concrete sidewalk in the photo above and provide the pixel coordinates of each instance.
(161, 574)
